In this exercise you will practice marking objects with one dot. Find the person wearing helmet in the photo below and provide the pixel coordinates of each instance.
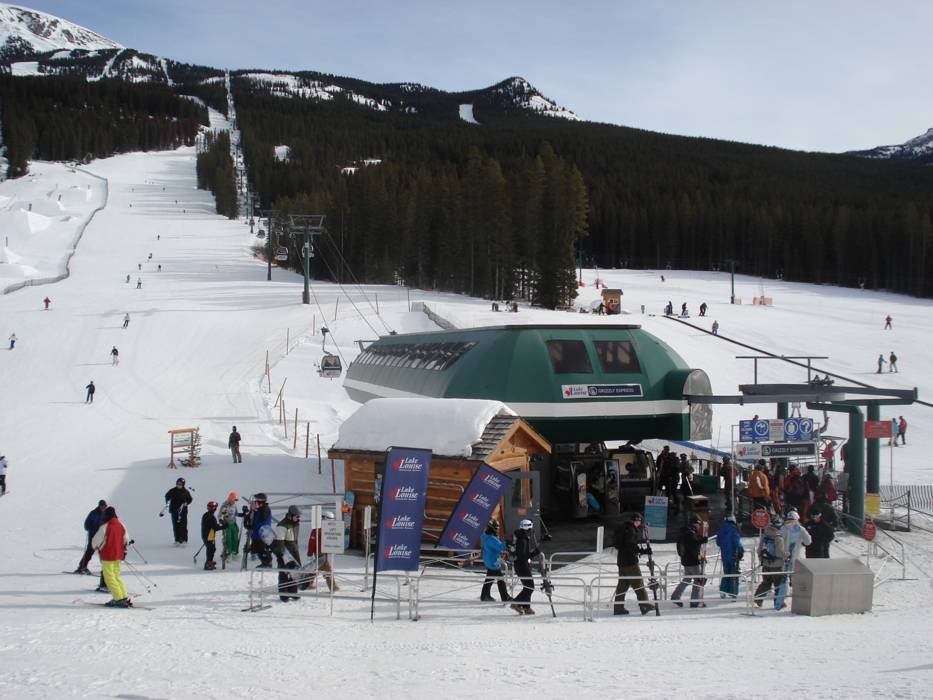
(209, 528)
(795, 538)
(286, 537)
(177, 500)
(630, 544)
(759, 487)
(262, 534)
(524, 551)
(315, 542)
(227, 519)
(493, 549)
(772, 554)
(730, 549)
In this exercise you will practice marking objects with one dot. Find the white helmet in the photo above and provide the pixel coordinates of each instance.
(525, 525)
(328, 515)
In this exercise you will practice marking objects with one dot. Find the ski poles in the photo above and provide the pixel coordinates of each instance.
(138, 553)
(143, 579)
(196, 555)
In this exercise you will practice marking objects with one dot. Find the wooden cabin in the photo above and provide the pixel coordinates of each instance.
(462, 434)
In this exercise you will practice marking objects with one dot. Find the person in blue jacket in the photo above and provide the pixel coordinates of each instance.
(91, 523)
(731, 550)
(492, 559)
(263, 534)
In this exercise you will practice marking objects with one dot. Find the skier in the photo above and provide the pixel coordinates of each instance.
(233, 442)
(90, 392)
(177, 500)
(139, 266)
(126, 319)
(493, 548)
(688, 549)
(887, 322)
(139, 283)
(2, 475)
(703, 308)
(715, 327)
(262, 533)
(683, 310)
(727, 473)
(525, 551)
(758, 487)
(880, 362)
(901, 430)
(91, 523)
(771, 553)
(228, 516)
(209, 528)
(315, 541)
(286, 537)
(731, 551)
(12, 340)
(111, 542)
(150, 256)
(115, 355)
(795, 538)
(892, 362)
(795, 490)
(821, 535)
(127, 279)
(826, 492)
(46, 301)
(628, 544)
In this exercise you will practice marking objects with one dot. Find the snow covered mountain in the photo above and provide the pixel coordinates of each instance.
(918, 148)
(25, 32)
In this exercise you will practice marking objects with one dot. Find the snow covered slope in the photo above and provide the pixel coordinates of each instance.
(917, 148)
(24, 31)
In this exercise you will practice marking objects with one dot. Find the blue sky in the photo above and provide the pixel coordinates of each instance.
(825, 75)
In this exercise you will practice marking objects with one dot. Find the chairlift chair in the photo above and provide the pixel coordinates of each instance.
(281, 253)
(331, 367)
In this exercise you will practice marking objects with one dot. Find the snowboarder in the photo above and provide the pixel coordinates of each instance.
(771, 553)
(881, 362)
(493, 548)
(228, 516)
(629, 545)
(111, 542)
(892, 362)
(715, 327)
(315, 541)
(821, 535)
(262, 534)
(177, 500)
(126, 319)
(887, 322)
(46, 301)
(901, 430)
(90, 392)
(2, 475)
(233, 442)
(139, 283)
(12, 340)
(286, 537)
(209, 528)
(91, 523)
(115, 355)
(688, 549)
(731, 551)
(524, 552)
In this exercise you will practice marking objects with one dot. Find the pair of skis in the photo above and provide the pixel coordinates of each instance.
(546, 584)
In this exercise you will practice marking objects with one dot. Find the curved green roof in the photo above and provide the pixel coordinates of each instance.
(572, 383)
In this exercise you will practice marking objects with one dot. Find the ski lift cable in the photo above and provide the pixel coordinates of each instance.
(355, 281)
(350, 299)
(323, 317)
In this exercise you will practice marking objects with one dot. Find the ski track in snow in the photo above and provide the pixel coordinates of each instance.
(193, 355)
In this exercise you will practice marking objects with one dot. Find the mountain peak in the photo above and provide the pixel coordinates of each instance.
(919, 148)
(25, 32)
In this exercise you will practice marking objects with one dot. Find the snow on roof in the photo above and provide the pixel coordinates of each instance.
(448, 427)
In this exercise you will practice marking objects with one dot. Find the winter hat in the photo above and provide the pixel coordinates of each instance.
(179, 482)
(792, 515)
(328, 515)
(816, 514)
(110, 513)
(100, 504)
(293, 510)
(233, 496)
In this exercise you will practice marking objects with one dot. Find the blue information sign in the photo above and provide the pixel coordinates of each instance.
(760, 430)
(403, 494)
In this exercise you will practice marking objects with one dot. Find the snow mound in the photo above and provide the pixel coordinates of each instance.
(21, 221)
(448, 427)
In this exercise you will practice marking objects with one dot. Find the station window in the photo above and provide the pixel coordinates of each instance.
(569, 357)
(616, 356)
(429, 356)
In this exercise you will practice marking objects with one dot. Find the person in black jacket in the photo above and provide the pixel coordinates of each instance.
(629, 545)
(177, 500)
(525, 551)
(821, 535)
(209, 528)
(91, 523)
(688, 548)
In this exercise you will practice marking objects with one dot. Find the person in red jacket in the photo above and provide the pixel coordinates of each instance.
(111, 541)
(323, 560)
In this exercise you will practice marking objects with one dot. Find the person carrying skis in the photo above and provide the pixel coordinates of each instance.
(233, 442)
(628, 544)
(262, 533)
(493, 548)
(111, 541)
(688, 549)
(772, 554)
(524, 552)
(115, 355)
(286, 537)
(730, 549)
(90, 392)
(177, 500)
(2, 475)
(228, 516)
(821, 535)
(315, 542)
(209, 528)
(91, 523)
(795, 538)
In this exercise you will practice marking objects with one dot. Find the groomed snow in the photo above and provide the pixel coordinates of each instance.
(466, 114)
(194, 355)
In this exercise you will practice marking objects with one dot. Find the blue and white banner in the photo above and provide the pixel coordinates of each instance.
(765, 430)
(404, 489)
(476, 505)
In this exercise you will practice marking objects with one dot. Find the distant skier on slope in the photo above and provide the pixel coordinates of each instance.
(887, 323)
(12, 340)
(115, 355)
(233, 442)
(111, 541)
(90, 392)
(2, 475)
(881, 363)
(126, 319)
(46, 301)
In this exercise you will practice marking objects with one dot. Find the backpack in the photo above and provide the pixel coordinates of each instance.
(798, 487)
(768, 550)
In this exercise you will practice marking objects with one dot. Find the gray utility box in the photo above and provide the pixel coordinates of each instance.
(832, 587)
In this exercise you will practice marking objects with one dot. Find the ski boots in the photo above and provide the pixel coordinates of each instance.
(617, 610)
(487, 599)
(210, 565)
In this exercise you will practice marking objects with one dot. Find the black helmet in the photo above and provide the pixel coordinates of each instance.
(261, 497)
(179, 481)
(492, 525)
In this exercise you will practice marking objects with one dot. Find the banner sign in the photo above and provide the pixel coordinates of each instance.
(596, 391)
(656, 517)
(789, 449)
(875, 429)
(474, 509)
(404, 489)
(775, 430)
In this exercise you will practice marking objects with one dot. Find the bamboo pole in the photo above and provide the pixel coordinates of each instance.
(279, 397)
(333, 476)
(284, 421)
(288, 332)
(336, 304)
(318, 436)
(295, 441)
(307, 437)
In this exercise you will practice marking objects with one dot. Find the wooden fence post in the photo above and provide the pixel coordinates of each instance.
(307, 437)
(318, 436)
(295, 441)
(284, 420)
(279, 397)
(287, 338)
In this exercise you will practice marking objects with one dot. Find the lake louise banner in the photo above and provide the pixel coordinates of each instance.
(404, 489)
(476, 505)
